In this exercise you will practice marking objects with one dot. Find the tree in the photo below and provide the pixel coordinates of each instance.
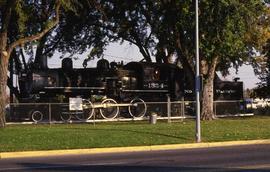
(18, 13)
(263, 89)
(230, 33)
(261, 63)
(75, 34)
(125, 21)
(227, 42)
(152, 27)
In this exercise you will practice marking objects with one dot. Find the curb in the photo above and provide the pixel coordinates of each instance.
(6, 155)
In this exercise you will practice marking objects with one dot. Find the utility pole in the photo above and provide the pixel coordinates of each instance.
(197, 79)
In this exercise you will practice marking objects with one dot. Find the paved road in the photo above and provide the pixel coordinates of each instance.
(238, 158)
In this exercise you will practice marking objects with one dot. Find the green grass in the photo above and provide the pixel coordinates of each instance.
(114, 134)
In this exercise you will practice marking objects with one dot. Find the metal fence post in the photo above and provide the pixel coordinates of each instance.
(50, 114)
(94, 118)
(215, 106)
(182, 107)
(169, 108)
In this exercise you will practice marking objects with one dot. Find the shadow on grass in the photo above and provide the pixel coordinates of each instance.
(133, 131)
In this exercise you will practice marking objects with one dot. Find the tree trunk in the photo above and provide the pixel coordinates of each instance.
(3, 93)
(207, 100)
(3, 81)
(208, 92)
(4, 58)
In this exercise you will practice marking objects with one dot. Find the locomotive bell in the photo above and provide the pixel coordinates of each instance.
(113, 65)
(42, 62)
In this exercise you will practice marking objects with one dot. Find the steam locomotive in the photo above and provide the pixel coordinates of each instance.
(106, 88)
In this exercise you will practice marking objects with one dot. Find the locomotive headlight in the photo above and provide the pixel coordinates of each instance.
(125, 81)
(51, 81)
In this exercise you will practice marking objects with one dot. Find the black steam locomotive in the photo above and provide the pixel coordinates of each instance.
(106, 88)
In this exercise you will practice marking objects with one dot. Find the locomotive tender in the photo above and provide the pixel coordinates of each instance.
(107, 87)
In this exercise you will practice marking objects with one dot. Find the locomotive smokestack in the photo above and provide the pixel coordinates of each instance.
(236, 79)
(67, 64)
(44, 62)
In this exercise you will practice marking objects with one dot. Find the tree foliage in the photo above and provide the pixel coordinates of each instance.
(79, 30)
(19, 26)
(262, 63)
(263, 89)
(231, 32)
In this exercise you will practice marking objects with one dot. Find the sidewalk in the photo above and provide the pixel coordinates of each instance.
(5, 155)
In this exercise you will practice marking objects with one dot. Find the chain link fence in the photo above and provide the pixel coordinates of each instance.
(110, 110)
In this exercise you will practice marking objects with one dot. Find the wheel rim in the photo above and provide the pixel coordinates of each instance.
(138, 108)
(109, 112)
(87, 111)
(37, 116)
(65, 116)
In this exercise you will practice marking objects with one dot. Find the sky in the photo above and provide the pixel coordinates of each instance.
(246, 74)
(127, 53)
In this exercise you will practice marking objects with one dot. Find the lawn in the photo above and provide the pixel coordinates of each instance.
(115, 134)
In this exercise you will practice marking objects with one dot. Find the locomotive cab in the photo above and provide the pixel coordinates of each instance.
(148, 76)
(158, 78)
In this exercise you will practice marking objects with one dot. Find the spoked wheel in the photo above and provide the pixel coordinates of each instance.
(138, 108)
(65, 116)
(37, 116)
(110, 109)
(87, 111)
